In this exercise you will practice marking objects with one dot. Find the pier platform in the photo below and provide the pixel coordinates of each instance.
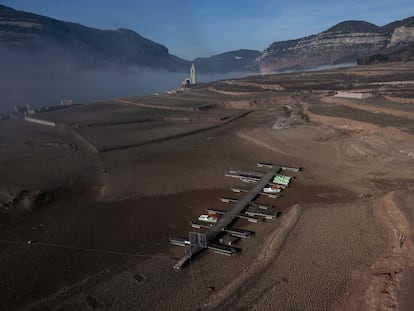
(227, 219)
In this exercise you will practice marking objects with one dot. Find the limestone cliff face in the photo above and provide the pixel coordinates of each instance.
(344, 42)
(402, 35)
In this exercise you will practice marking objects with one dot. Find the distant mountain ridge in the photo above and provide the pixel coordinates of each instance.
(34, 36)
(345, 42)
(233, 61)
(353, 26)
(90, 46)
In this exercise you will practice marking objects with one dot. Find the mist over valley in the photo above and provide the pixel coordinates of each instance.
(46, 83)
(44, 60)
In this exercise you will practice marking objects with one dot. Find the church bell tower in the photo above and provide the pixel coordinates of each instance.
(192, 75)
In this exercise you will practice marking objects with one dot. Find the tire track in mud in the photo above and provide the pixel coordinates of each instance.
(169, 107)
(269, 251)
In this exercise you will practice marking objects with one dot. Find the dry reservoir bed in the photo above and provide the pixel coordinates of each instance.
(101, 241)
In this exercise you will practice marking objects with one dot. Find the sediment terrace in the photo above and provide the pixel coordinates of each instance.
(128, 173)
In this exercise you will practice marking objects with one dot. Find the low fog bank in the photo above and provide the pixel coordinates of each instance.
(41, 88)
(45, 81)
(86, 86)
(317, 68)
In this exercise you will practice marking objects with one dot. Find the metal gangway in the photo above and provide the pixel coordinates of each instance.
(223, 224)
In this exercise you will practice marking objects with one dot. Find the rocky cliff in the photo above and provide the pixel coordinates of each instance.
(402, 35)
(344, 42)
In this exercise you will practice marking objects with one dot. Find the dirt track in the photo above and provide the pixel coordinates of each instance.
(269, 251)
(102, 237)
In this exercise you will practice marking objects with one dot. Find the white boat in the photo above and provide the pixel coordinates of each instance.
(211, 218)
(271, 189)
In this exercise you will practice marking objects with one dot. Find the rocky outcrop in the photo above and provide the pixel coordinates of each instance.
(402, 35)
(344, 42)
(23, 201)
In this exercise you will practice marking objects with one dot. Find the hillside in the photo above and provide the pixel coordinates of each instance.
(345, 42)
(43, 36)
(405, 54)
(233, 61)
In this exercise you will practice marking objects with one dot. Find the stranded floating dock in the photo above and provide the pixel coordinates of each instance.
(220, 231)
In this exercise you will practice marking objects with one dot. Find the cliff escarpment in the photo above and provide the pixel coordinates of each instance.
(344, 42)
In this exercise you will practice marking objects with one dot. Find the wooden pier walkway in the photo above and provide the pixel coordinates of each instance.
(226, 220)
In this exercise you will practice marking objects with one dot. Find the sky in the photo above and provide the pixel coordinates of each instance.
(201, 28)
